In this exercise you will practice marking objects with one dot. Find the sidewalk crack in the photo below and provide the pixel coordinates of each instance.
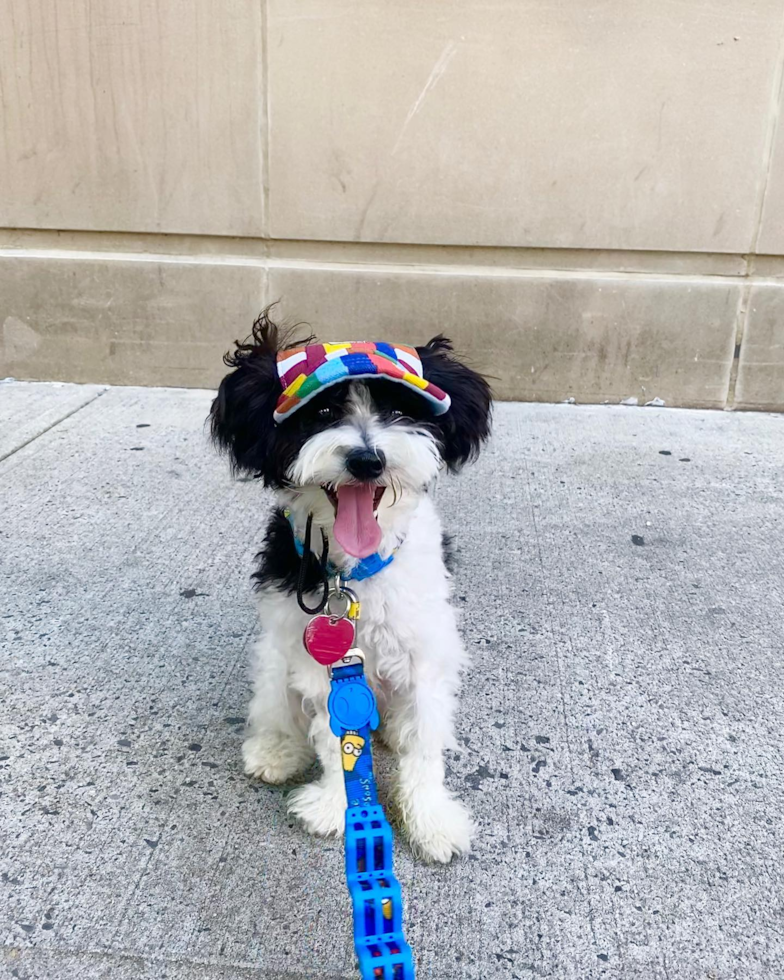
(68, 415)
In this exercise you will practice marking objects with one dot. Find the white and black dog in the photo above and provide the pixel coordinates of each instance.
(356, 441)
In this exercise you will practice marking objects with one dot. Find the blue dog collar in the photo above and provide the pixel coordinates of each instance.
(365, 568)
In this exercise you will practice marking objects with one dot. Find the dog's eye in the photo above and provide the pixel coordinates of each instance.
(326, 413)
(396, 413)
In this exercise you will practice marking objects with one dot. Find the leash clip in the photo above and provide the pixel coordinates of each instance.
(354, 658)
(338, 591)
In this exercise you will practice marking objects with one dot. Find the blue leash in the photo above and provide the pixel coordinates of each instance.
(381, 949)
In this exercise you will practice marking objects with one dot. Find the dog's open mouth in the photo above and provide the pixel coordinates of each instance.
(356, 527)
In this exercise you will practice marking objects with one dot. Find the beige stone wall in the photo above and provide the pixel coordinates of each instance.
(586, 194)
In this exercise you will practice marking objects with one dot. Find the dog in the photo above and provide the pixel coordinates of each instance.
(358, 455)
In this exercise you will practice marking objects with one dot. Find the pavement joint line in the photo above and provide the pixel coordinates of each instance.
(68, 415)
(258, 972)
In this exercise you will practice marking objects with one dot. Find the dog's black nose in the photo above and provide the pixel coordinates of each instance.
(365, 464)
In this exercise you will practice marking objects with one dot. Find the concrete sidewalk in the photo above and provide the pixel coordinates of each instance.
(621, 581)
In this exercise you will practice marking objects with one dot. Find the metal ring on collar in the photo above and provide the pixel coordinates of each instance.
(340, 592)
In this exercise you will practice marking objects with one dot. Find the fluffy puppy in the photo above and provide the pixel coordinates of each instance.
(360, 457)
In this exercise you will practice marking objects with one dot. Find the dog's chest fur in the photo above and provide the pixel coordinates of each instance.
(401, 605)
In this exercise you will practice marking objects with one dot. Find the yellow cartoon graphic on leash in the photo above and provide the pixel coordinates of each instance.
(351, 745)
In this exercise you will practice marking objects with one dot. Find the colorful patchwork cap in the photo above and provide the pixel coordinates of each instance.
(305, 371)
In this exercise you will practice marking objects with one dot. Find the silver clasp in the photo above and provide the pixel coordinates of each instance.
(340, 592)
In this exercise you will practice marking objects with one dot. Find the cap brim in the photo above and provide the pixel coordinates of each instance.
(438, 400)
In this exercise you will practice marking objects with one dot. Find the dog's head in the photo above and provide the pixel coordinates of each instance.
(355, 449)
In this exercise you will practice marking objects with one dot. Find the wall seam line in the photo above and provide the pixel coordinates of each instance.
(24, 241)
(768, 152)
(770, 142)
(380, 267)
(264, 126)
(741, 318)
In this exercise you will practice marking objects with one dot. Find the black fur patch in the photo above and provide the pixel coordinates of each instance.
(278, 561)
(394, 401)
(241, 416)
(462, 430)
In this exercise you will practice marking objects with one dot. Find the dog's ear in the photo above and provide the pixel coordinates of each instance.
(466, 425)
(241, 416)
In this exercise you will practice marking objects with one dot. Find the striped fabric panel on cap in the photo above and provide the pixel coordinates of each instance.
(305, 371)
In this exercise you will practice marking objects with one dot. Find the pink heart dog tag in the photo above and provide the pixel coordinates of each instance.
(328, 639)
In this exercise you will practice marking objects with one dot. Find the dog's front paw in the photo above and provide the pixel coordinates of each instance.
(321, 807)
(274, 758)
(439, 828)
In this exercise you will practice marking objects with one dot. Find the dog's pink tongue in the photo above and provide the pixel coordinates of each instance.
(356, 528)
